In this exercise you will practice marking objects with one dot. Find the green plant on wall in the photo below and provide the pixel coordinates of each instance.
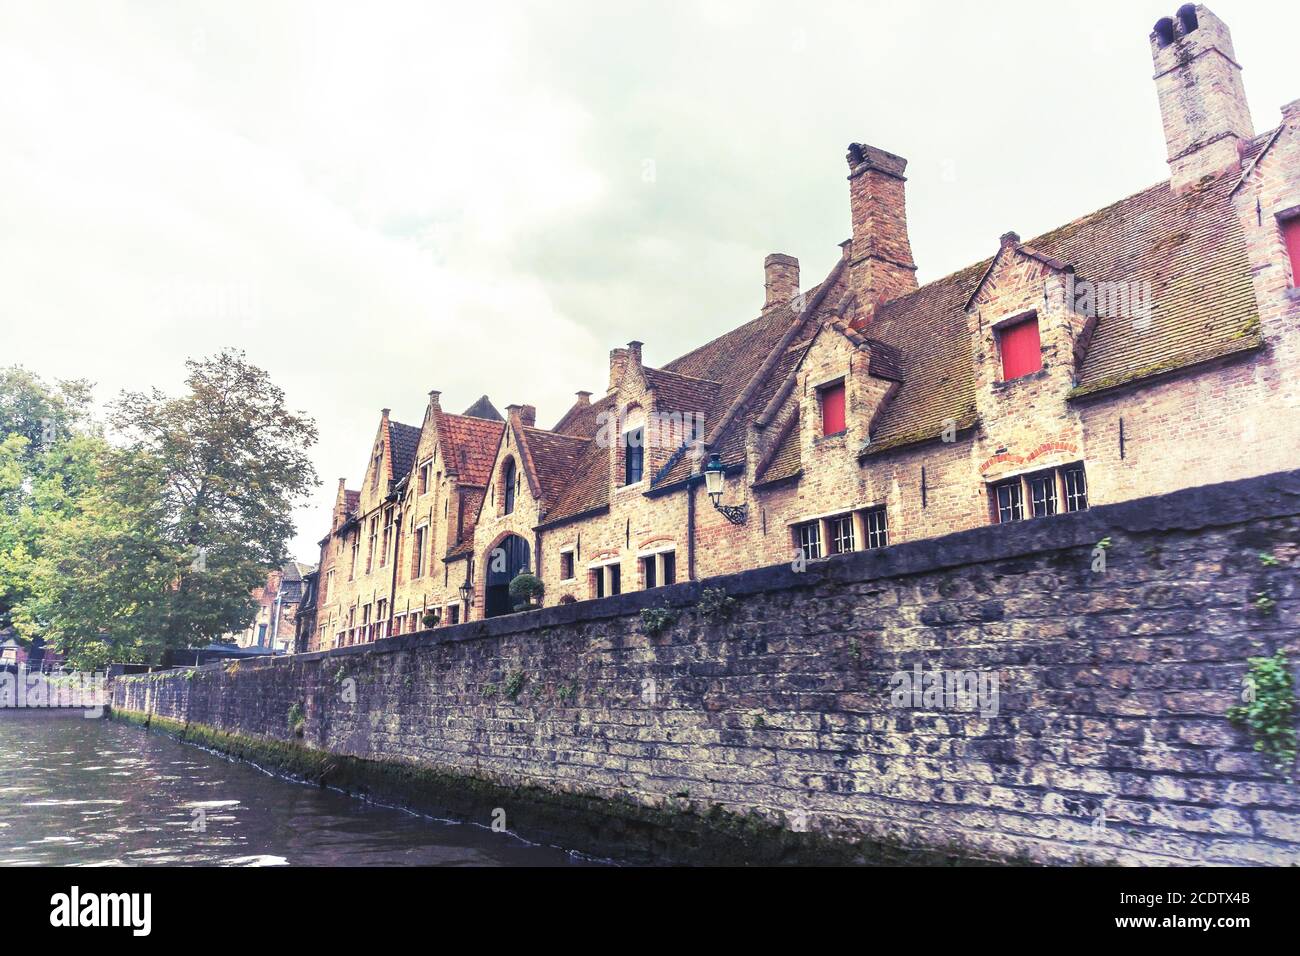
(296, 720)
(1268, 710)
(656, 620)
(514, 684)
(1264, 603)
(715, 606)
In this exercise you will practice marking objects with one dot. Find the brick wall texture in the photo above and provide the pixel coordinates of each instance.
(1109, 742)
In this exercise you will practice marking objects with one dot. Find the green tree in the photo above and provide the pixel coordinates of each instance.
(49, 448)
(185, 516)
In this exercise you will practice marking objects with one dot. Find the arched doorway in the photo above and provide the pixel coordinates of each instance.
(503, 562)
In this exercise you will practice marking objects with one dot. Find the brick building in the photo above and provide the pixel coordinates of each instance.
(274, 624)
(1149, 346)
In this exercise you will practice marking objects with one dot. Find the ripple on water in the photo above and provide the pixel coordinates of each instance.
(97, 793)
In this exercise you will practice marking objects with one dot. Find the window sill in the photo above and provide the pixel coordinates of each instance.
(1008, 383)
(636, 486)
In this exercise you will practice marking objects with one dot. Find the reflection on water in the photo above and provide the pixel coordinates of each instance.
(96, 793)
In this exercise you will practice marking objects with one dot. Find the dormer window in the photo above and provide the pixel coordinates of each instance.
(832, 402)
(1021, 350)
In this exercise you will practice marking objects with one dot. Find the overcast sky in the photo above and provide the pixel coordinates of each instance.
(376, 199)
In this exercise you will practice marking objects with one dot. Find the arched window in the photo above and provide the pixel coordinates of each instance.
(508, 480)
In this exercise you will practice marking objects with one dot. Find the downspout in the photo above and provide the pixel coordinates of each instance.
(392, 589)
(690, 529)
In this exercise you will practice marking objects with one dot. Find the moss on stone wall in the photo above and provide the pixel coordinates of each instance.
(678, 832)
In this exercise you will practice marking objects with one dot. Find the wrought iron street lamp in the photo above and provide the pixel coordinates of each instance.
(466, 591)
(715, 480)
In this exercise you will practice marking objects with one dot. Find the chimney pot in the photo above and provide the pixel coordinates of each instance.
(1010, 239)
(780, 279)
(584, 398)
(634, 352)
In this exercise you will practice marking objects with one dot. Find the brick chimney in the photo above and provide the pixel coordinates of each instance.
(780, 279)
(880, 254)
(584, 398)
(527, 414)
(621, 360)
(1202, 101)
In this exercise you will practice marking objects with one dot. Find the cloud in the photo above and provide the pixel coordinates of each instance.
(375, 200)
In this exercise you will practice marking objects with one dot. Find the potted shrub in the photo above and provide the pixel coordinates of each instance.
(526, 591)
(430, 620)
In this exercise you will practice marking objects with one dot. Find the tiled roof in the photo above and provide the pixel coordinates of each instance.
(554, 458)
(682, 394)
(583, 419)
(403, 441)
(471, 443)
(785, 462)
(1188, 247)
(473, 498)
(589, 487)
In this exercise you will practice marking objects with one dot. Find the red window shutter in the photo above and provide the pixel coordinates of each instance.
(833, 409)
(1021, 351)
(1291, 235)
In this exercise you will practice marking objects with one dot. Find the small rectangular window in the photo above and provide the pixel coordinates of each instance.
(670, 567)
(615, 586)
(417, 559)
(1291, 237)
(808, 538)
(598, 582)
(566, 565)
(877, 524)
(841, 534)
(648, 570)
(453, 612)
(832, 402)
(633, 456)
(1022, 352)
(1010, 501)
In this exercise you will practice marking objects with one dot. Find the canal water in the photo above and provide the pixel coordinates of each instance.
(78, 792)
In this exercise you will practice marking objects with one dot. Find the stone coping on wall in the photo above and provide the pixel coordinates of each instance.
(1267, 496)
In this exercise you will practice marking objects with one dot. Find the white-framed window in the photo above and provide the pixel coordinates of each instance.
(426, 475)
(568, 568)
(808, 539)
(605, 580)
(876, 522)
(418, 548)
(659, 569)
(1040, 494)
(840, 535)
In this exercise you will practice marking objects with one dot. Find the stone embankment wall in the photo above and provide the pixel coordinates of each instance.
(1104, 649)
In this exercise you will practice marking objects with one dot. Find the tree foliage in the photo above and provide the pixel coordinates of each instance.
(152, 543)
